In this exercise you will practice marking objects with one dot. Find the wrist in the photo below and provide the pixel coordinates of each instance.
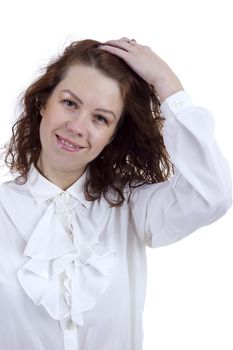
(165, 91)
(167, 85)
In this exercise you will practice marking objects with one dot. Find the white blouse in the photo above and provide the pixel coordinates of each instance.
(73, 272)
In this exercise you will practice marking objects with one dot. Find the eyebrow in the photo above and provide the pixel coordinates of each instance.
(81, 102)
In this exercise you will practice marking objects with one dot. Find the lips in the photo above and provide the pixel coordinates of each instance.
(67, 144)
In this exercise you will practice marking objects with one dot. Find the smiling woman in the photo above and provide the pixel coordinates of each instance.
(101, 160)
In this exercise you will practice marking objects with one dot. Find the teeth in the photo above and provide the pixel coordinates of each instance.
(68, 144)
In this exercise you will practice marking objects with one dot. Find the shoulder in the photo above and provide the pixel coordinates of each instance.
(5, 186)
(7, 199)
(14, 197)
(12, 189)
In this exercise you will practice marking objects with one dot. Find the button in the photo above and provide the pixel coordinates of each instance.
(65, 195)
(179, 101)
(176, 104)
(67, 298)
(70, 325)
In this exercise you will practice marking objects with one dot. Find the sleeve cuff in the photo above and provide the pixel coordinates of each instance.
(176, 103)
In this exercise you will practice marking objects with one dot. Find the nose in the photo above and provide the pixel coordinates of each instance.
(78, 126)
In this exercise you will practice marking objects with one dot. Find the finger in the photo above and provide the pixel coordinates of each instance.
(125, 39)
(130, 41)
(115, 50)
(131, 46)
(121, 44)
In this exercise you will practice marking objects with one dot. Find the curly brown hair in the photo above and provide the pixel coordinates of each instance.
(136, 155)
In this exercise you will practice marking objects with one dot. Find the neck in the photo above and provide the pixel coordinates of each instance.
(62, 179)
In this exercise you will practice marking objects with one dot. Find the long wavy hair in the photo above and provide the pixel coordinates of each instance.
(137, 154)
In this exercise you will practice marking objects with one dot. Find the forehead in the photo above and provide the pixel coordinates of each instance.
(92, 86)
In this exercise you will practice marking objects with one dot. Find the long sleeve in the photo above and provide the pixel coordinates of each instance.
(200, 191)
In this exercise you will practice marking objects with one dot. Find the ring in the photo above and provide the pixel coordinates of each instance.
(131, 41)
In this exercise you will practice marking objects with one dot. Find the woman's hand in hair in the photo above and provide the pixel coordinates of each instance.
(147, 64)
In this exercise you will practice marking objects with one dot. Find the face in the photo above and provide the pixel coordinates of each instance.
(78, 121)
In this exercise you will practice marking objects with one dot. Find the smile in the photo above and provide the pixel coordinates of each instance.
(67, 145)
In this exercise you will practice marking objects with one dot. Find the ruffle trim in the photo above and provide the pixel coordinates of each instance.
(66, 273)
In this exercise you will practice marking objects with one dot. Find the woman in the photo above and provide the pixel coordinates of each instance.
(110, 155)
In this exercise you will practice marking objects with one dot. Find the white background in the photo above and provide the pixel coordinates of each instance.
(189, 295)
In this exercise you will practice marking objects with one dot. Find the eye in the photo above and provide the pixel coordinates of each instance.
(101, 119)
(69, 104)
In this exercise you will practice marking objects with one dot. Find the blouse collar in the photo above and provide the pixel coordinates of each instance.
(42, 189)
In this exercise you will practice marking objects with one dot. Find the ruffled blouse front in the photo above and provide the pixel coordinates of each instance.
(67, 271)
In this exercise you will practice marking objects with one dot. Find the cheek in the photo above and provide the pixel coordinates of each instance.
(106, 137)
(98, 141)
(112, 134)
(42, 133)
(45, 128)
(48, 122)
